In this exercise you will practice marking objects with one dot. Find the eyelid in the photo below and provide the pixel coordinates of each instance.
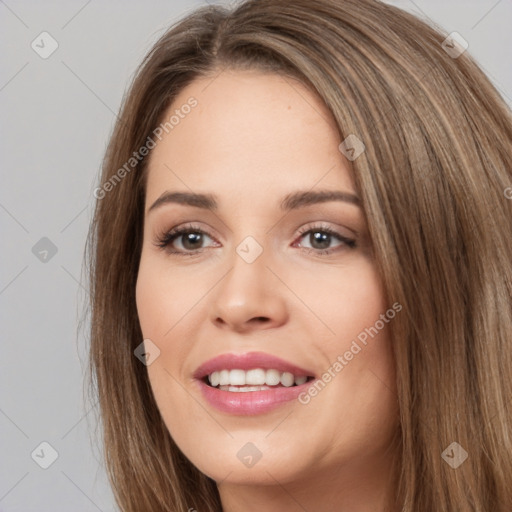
(177, 231)
(165, 239)
(323, 225)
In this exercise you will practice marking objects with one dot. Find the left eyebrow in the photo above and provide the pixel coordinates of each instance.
(292, 201)
(300, 198)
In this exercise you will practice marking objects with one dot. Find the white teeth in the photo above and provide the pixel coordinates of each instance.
(214, 379)
(223, 377)
(287, 379)
(237, 377)
(273, 377)
(243, 389)
(254, 377)
(300, 380)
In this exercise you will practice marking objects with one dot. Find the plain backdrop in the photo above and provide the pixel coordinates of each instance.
(57, 114)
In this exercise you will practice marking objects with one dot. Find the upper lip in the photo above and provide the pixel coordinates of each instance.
(248, 361)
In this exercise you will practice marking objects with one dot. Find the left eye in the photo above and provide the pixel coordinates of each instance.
(321, 239)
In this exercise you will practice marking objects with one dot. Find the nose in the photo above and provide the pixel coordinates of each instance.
(249, 297)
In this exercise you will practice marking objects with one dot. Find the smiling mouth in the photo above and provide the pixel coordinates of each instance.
(257, 379)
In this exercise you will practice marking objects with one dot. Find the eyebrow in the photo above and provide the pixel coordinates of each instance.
(291, 201)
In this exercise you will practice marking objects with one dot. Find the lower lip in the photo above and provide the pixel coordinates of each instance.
(250, 402)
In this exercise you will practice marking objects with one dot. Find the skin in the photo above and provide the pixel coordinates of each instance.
(252, 139)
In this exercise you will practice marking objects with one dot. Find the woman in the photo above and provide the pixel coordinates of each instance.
(300, 268)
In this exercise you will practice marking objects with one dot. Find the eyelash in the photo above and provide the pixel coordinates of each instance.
(165, 239)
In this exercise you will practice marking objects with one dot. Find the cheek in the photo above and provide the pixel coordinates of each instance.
(357, 352)
(349, 301)
(167, 302)
(361, 318)
(161, 303)
(164, 296)
(152, 310)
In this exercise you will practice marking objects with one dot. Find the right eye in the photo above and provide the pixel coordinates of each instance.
(190, 238)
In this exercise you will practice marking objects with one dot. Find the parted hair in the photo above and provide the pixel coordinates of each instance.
(434, 180)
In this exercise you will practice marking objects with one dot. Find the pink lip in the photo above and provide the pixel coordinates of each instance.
(249, 402)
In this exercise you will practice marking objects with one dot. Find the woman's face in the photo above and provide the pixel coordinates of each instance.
(266, 272)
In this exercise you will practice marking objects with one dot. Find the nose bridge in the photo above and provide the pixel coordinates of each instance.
(247, 280)
(249, 290)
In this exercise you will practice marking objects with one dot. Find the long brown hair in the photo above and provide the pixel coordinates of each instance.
(435, 182)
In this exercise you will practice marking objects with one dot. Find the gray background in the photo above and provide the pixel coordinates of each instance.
(57, 114)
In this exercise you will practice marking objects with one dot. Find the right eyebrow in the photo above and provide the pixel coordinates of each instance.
(206, 201)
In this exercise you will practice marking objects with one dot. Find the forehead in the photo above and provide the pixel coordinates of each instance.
(248, 132)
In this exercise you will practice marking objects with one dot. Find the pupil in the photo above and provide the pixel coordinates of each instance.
(191, 238)
(322, 238)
